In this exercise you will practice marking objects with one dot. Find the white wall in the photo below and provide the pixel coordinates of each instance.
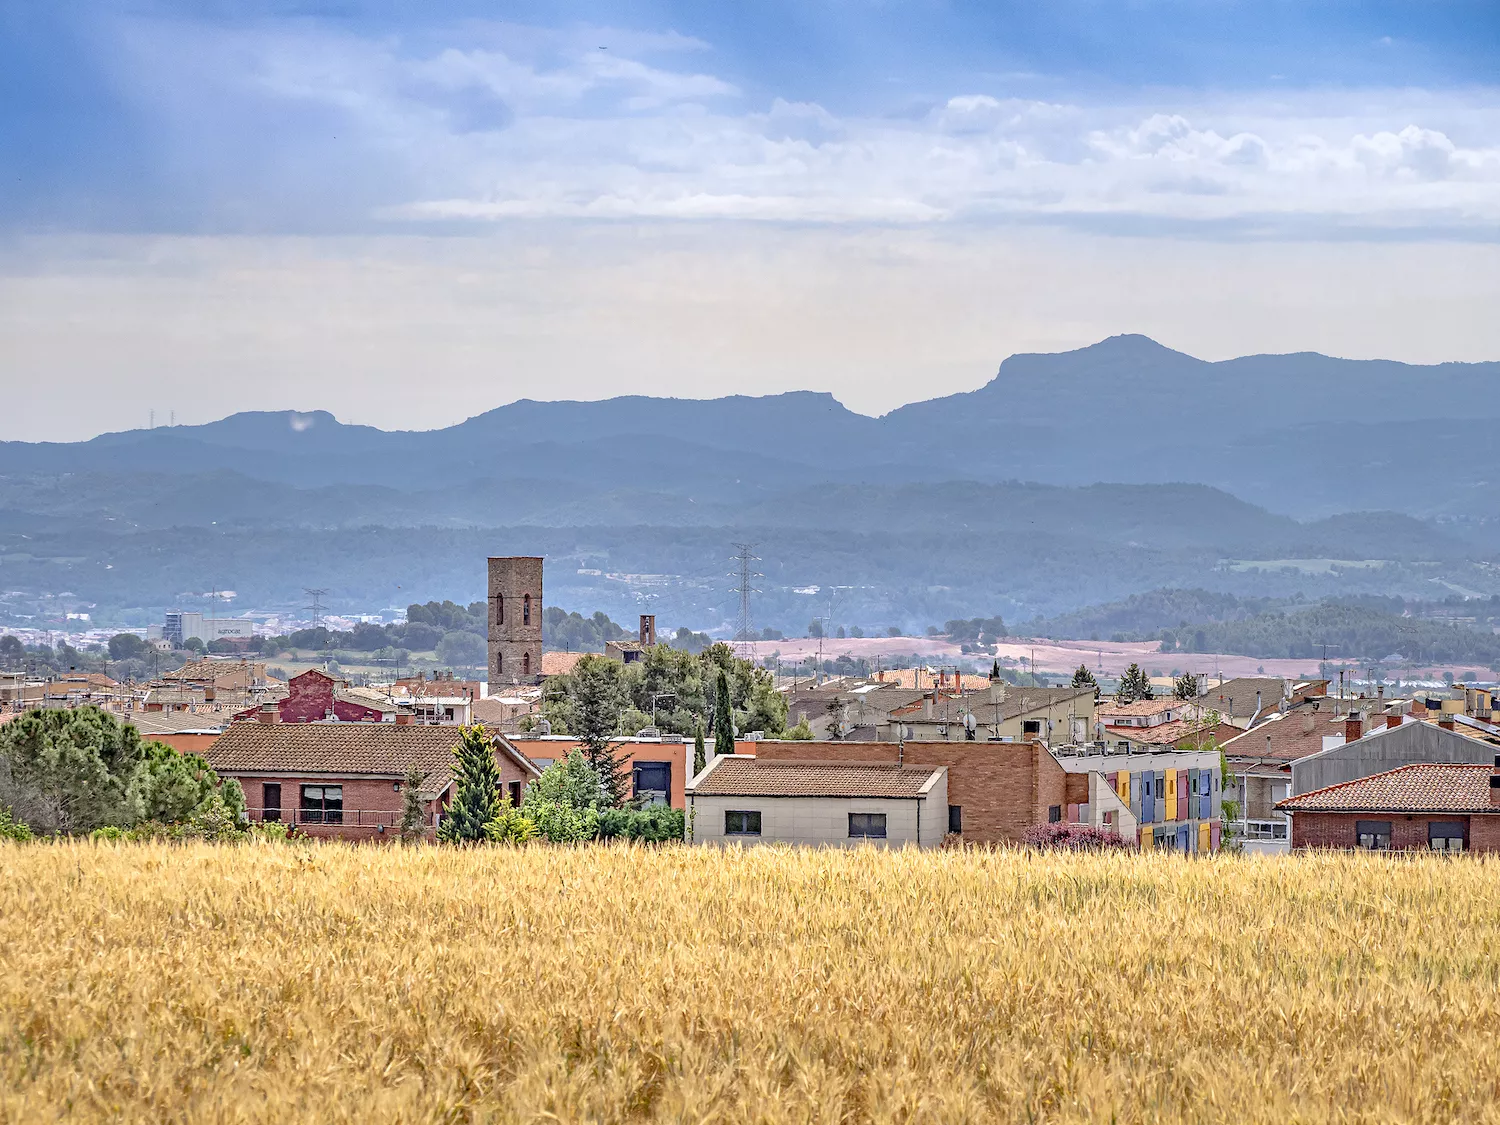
(824, 821)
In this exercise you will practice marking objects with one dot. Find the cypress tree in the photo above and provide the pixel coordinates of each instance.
(413, 812)
(723, 718)
(476, 796)
(700, 759)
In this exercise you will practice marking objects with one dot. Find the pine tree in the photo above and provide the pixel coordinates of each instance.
(699, 757)
(1084, 678)
(413, 811)
(1186, 686)
(595, 710)
(476, 788)
(1134, 685)
(723, 717)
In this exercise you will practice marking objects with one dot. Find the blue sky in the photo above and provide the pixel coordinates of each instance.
(621, 196)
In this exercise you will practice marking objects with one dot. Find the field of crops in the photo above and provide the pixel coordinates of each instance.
(146, 983)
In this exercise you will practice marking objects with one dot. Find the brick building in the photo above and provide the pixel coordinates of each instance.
(658, 768)
(344, 779)
(1426, 806)
(315, 696)
(515, 614)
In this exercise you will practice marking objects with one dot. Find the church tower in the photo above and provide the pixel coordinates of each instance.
(515, 621)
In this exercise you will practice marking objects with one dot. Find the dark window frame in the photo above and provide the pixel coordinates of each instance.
(868, 826)
(1054, 814)
(1373, 831)
(748, 825)
(269, 811)
(956, 819)
(321, 813)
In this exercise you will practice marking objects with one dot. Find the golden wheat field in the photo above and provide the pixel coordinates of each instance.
(328, 983)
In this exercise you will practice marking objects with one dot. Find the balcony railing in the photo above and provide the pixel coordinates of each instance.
(330, 818)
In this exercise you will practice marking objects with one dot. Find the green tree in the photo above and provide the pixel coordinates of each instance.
(127, 646)
(1134, 685)
(572, 781)
(700, 758)
(723, 717)
(168, 787)
(476, 792)
(1185, 686)
(1082, 677)
(413, 808)
(510, 826)
(596, 707)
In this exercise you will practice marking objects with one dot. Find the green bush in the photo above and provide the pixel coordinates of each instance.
(270, 831)
(656, 824)
(109, 834)
(11, 828)
(510, 826)
(560, 823)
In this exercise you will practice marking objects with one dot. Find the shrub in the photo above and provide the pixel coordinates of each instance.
(271, 831)
(560, 823)
(11, 828)
(1072, 838)
(656, 824)
(510, 826)
(109, 834)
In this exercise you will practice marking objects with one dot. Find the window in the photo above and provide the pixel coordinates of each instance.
(955, 818)
(499, 662)
(1446, 836)
(1374, 835)
(526, 610)
(1054, 814)
(741, 823)
(526, 664)
(270, 799)
(652, 782)
(513, 790)
(867, 826)
(322, 804)
(499, 609)
(1031, 727)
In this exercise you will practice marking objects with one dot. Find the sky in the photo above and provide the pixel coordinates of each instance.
(409, 213)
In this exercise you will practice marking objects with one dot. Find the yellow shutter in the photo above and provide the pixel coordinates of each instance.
(1171, 794)
(1205, 838)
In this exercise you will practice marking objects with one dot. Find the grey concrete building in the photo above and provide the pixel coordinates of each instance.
(515, 597)
(1386, 749)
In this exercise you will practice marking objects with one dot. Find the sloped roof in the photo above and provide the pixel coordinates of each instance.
(1169, 734)
(750, 777)
(381, 749)
(560, 663)
(1140, 707)
(207, 669)
(151, 723)
(1424, 787)
(1286, 737)
(1236, 698)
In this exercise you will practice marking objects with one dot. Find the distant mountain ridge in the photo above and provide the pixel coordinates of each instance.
(1304, 434)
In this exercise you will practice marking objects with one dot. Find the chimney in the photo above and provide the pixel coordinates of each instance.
(269, 713)
(1446, 721)
(1495, 784)
(1309, 723)
(1354, 727)
(1392, 721)
(403, 718)
(648, 630)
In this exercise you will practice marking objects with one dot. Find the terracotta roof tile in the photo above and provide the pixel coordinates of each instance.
(1424, 787)
(750, 777)
(1139, 707)
(382, 749)
(560, 663)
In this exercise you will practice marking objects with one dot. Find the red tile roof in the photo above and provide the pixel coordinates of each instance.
(560, 663)
(1287, 737)
(379, 749)
(751, 777)
(1424, 787)
(1140, 707)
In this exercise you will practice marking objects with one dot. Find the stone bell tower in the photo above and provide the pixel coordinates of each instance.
(515, 607)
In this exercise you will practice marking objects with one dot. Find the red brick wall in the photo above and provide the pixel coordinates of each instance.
(1337, 830)
(1003, 787)
(378, 799)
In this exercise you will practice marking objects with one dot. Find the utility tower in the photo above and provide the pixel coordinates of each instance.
(316, 609)
(745, 575)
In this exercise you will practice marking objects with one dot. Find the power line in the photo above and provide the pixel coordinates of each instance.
(316, 609)
(744, 627)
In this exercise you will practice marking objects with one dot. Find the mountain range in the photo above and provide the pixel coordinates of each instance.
(1300, 457)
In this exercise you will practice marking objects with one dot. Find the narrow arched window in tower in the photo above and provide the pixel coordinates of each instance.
(499, 609)
(499, 662)
(526, 610)
(526, 664)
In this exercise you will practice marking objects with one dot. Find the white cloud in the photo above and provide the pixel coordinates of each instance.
(497, 124)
